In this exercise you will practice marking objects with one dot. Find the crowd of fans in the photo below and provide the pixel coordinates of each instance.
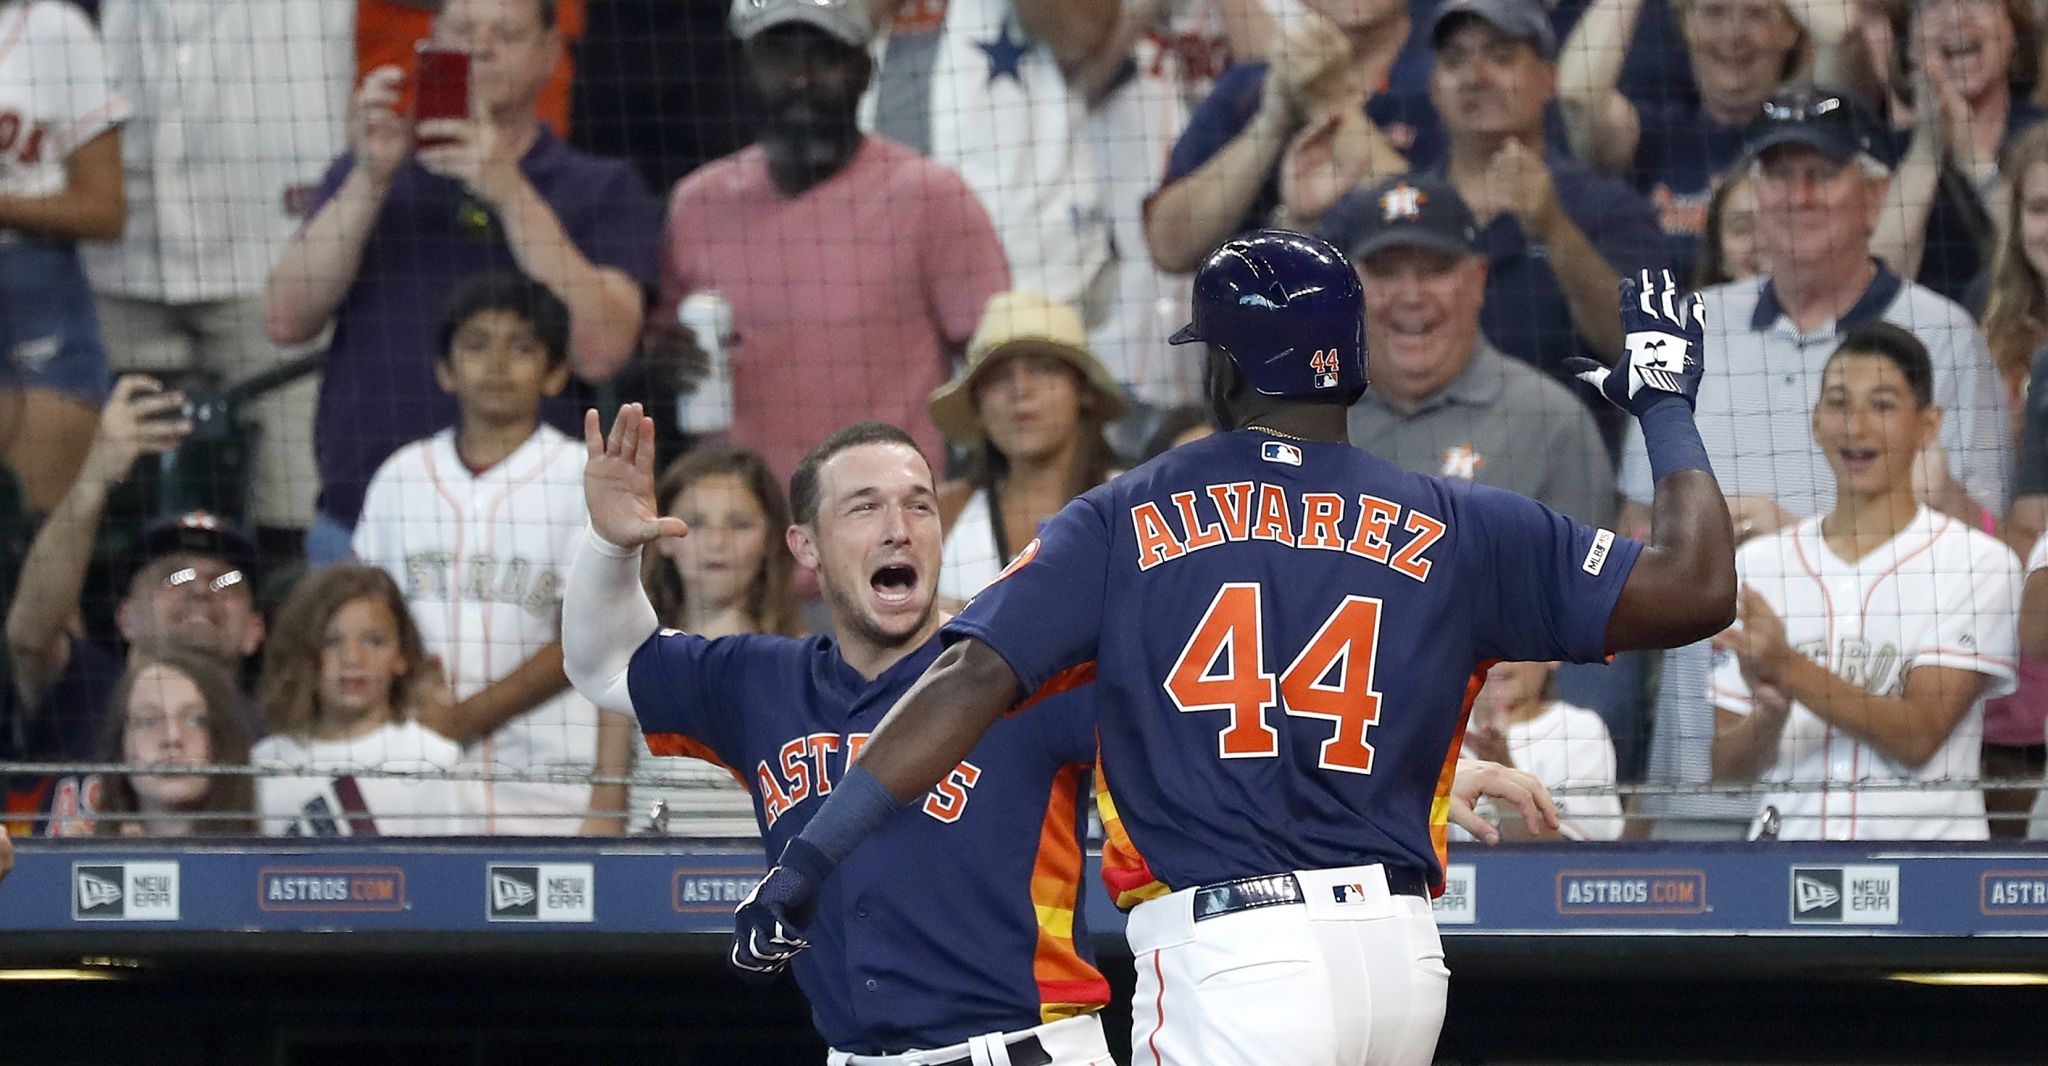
(972, 219)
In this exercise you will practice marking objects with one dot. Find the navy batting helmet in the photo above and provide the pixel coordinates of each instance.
(1288, 309)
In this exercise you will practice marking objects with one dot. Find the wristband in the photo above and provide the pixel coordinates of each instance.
(858, 806)
(1672, 440)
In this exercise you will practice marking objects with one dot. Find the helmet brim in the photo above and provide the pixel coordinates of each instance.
(1187, 334)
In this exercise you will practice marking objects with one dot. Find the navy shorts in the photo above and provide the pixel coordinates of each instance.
(49, 329)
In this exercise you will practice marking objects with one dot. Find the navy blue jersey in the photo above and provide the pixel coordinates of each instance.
(961, 915)
(1285, 638)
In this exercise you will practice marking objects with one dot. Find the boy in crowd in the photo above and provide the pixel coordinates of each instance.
(477, 524)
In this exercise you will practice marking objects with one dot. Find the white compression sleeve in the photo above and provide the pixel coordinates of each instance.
(605, 618)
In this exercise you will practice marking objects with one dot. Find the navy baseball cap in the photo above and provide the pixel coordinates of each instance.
(1826, 121)
(1417, 211)
(199, 533)
(1524, 20)
(845, 20)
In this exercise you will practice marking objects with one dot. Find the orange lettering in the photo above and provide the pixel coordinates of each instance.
(773, 802)
(1236, 511)
(1320, 513)
(1198, 536)
(947, 801)
(1156, 542)
(822, 744)
(1274, 523)
(796, 771)
(1375, 518)
(1427, 530)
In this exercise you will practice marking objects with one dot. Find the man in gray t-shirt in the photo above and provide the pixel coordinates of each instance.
(1443, 400)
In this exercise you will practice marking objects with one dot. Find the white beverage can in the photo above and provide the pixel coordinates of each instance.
(708, 317)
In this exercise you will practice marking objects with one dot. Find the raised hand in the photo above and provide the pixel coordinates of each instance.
(376, 133)
(618, 480)
(140, 419)
(1319, 168)
(1663, 332)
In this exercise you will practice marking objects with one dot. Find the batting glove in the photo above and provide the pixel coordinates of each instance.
(1663, 330)
(766, 926)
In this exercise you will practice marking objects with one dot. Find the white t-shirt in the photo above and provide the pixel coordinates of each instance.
(1938, 594)
(482, 558)
(967, 559)
(329, 800)
(1568, 747)
(54, 93)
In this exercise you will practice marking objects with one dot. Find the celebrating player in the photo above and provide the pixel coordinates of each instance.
(1870, 637)
(1284, 634)
(1004, 964)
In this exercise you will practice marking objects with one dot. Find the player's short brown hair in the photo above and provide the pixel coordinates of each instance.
(803, 484)
(1886, 341)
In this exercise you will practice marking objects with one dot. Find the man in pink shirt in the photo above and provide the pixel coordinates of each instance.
(854, 266)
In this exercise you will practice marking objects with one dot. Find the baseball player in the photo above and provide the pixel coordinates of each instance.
(477, 524)
(1284, 634)
(1003, 964)
(1872, 636)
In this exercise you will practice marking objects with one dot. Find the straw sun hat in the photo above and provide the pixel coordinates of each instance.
(1016, 323)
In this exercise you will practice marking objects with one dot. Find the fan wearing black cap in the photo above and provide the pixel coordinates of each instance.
(1672, 147)
(1444, 401)
(1820, 191)
(192, 588)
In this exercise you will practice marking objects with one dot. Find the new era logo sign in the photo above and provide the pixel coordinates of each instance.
(513, 893)
(124, 892)
(1845, 895)
(545, 892)
(99, 890)
(1817, 895)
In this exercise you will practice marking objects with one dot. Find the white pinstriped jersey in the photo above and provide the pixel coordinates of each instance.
(54, 93)
(1938, 594)
(482, 558)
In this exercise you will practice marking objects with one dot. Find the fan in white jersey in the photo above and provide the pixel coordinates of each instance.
(733, 574)
(1869, 638)
(345, 684)
(477, 524)
(1518, 721)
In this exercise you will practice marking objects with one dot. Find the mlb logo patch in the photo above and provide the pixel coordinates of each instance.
(1279, 451)
(1351, 893)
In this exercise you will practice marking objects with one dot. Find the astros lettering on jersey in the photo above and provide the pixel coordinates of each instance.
(962, 916)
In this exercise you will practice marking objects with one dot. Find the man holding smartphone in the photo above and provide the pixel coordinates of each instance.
(420, 203)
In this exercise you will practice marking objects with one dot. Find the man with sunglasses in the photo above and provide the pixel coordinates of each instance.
(1820, 186)
(193, 587)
